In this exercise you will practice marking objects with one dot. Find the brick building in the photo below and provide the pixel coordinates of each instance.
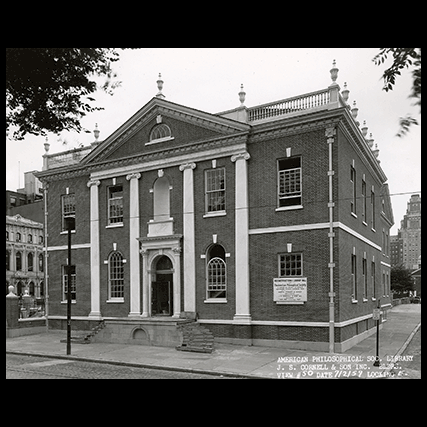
(265, 224)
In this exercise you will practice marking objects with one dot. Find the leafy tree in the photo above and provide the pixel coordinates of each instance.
(403, 57)
(401, 280)
(49, 89)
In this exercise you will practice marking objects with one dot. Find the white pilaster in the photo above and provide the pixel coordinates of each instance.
(95, 280)
(189, 239)
(242, 240)
(135, 296)
(177, 284)
(145, 284)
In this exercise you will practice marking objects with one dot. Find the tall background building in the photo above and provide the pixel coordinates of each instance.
(406, 246)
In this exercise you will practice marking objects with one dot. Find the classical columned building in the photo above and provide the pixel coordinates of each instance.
(264, 224)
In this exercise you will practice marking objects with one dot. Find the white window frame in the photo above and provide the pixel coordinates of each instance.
(121, 295)
(218, 192)
(294, 178)
(66, 212)
(115, 220)
(65, 283)
(292, 258)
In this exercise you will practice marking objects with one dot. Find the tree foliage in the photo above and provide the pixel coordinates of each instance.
(403, 57)
(401, 280)
(49, 89)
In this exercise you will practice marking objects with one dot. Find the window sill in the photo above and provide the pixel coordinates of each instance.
(156, 141)
(353, 214)
(365, 299)
(354, 301)
(115, 301)
(66, 302)
(216, 301)
(289, 208)
(215, 214)
(118, 225)
(64, 233)
(364, 223)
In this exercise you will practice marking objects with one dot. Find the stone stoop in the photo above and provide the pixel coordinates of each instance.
(196, 338)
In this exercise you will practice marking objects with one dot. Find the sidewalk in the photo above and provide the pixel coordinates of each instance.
(246, 361)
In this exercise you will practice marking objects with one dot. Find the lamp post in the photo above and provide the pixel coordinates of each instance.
(377, 316)
(70, 222)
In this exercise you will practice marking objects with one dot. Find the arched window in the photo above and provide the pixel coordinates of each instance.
(216, 273)
(115, 276)
(18, 263)
(161, 132)
(41, 263)
(30, 262)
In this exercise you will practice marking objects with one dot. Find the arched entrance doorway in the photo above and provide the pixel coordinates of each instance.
(162, 287)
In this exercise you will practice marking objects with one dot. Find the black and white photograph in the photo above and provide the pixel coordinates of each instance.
(213, 213)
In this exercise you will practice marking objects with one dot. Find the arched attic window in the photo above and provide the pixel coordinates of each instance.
(160, 132)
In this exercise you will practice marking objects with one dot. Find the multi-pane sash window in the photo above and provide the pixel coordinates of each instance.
(215, 190)
(353, 184)
(365, 278)
(65, 282)
(68, 209)
(116, 276)
(364, 202)
(354, 277)
(290, 183)
(216, 273)
(374, 285)
(290, 265)
(115, 205)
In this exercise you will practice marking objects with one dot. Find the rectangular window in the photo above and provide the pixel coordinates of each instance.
(354, 277)
(373, 209)
(353, 184)
(374, 284)
(365, 278)
(290, 265)
(289, 182)
(215, 190)
(68, 209)
(65, 282)
(115, 205)
(364, 202)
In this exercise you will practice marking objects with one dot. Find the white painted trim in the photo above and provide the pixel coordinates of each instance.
(288, 322)
(385, 264)
(287, 228)
(156, 141)
(164, 163)
(65, 247)
(315, 226)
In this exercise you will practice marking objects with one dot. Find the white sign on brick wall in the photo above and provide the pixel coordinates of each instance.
(290, 290)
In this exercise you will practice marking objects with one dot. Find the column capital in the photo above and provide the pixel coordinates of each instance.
(188, 165)
(240, 156)
(93, 182)
(131, 176)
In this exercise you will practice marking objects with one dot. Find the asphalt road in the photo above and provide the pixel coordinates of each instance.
(31, 367)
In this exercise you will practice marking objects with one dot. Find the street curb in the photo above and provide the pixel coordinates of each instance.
(138, 365)
(405, 344)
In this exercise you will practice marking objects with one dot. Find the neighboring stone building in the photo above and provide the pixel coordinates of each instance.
(269, 224)
(24, 256)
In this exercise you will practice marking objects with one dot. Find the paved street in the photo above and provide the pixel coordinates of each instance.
(30, 367)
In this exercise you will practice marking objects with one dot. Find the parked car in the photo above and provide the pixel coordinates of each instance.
(416, 300)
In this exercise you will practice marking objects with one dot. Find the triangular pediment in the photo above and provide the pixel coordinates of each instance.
(187, 126)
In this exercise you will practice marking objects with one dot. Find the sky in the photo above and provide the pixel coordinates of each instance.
(209, 79)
